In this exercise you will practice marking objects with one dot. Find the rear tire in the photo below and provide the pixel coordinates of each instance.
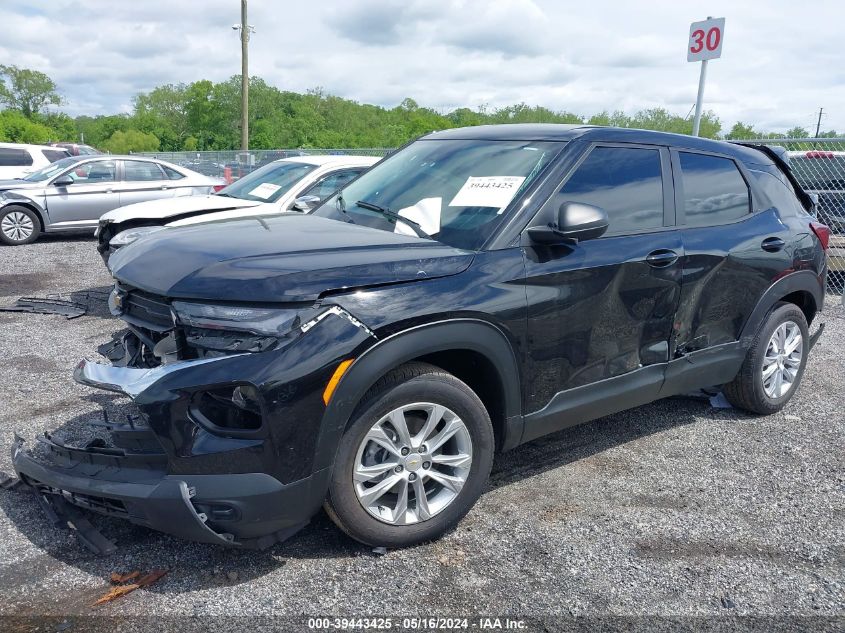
(774, 364)
(393, 487)
(18, 225)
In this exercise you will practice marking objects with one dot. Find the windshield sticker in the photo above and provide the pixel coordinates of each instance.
(426, 213)
(487, 191)
(264, 190)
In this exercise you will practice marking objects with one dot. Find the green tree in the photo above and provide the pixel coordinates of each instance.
(16, 128)
(26, 90)
(742, 131)
(797, 132)
(131, 141)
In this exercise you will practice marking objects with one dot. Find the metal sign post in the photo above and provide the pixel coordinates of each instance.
(705, 43)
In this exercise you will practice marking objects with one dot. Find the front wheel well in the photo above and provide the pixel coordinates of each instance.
(480, 374)
(30, 207)
(805, 301)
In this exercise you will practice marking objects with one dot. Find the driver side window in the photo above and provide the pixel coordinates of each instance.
(331, 183)
(624, 181)
(93, 172)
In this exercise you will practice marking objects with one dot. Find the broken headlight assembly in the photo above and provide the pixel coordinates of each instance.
(234, 329)
(262, 321)
(132, 235)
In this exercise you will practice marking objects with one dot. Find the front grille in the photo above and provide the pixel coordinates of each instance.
(147, 310)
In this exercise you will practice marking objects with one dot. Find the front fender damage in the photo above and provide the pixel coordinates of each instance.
(170, 471)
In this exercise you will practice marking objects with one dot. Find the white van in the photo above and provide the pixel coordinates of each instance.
(18, 159)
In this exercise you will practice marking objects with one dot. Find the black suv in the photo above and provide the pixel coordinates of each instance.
(476, 290)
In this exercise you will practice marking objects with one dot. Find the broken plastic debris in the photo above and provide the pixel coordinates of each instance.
(719, 401)
(119, 579)
(380, 551)
(121, 590)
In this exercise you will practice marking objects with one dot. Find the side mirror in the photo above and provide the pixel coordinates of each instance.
(576, 222)
(63, 181)
(305, 203)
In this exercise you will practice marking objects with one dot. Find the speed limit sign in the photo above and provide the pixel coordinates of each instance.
(705, 39)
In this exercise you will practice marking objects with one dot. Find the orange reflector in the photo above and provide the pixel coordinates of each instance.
(336, 376)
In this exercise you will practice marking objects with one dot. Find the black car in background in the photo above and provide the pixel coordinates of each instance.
(475, 290)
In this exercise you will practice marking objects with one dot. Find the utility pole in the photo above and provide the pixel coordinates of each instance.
(245, 28)
(819, 124)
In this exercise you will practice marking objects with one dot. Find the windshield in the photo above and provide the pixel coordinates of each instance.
(269, 183)
(455, 191)
(53, 169)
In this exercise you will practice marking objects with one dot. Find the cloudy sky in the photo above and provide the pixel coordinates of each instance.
(779, 64)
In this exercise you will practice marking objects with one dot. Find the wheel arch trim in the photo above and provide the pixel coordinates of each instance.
(454, 334)
(800, 281)
(30, 204)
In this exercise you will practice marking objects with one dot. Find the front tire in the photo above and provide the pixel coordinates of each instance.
(413, 460)
(774, 364)
(18, 225)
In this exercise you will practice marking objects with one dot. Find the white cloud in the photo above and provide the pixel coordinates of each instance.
(586, 57)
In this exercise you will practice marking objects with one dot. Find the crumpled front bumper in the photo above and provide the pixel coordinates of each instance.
(258, 509)
(179, 471)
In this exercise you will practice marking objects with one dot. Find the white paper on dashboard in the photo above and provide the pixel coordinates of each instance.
(426, 213)
(487, 191)
(264, 190)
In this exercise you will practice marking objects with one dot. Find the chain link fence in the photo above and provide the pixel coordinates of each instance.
(819, 165)
(233, 164)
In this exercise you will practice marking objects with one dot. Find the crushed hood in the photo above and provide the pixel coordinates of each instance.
(283, 258)
(173, 207)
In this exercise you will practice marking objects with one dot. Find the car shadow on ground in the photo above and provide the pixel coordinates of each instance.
(196, 566)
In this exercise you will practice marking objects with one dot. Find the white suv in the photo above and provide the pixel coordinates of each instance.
(17, 159)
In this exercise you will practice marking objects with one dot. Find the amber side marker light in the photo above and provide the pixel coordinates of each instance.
(336, 376)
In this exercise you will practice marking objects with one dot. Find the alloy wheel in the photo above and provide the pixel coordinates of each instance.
(782, 360)
(17, 226)
(412, 463)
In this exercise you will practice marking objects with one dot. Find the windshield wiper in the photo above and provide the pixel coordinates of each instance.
(395, 216)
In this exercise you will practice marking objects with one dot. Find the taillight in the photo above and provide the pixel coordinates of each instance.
(822, 232)
(218, 188)
(818, 154)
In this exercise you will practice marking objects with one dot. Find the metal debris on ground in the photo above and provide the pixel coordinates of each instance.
(69, 304)
(69, 309)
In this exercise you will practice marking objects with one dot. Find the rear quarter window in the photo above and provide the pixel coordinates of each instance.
(13, 157)
(779, 194)
(714, 191)
(171, 173)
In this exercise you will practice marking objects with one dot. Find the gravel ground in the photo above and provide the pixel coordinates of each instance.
(673, 509)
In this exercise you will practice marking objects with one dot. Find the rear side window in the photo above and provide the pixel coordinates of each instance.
(54, 154)
(714, 191)
(171, 173)
(624, 181)
(136, 170)
(11, 157)
(781, 195)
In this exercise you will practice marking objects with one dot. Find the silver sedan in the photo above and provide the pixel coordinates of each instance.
(72, 193)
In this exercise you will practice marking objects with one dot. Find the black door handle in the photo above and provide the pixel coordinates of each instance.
(661, 258)
(772, 244)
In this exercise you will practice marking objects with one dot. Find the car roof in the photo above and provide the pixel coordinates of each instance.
(30, 146)
(330, 159)
(568, 132)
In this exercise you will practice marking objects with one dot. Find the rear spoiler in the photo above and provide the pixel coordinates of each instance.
(806, 201)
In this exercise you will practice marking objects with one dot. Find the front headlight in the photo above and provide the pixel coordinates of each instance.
(264, 321)
(131, 235)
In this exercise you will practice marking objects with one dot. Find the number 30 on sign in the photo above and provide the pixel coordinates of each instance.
(705, 39)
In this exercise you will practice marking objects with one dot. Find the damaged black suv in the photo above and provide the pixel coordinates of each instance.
(477, 289)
